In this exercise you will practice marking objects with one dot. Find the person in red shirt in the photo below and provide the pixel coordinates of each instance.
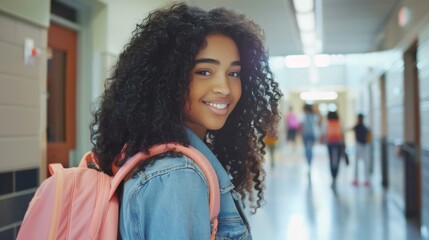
(334, 138)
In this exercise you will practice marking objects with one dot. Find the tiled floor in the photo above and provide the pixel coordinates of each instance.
(299, 208)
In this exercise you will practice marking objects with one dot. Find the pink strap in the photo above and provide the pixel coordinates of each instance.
(197, 156)
(87, 158)
(191, 152)
(54, 167)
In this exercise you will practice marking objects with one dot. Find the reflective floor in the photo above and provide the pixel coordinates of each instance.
(299, 207)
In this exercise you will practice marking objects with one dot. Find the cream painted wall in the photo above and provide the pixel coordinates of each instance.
(122, 17)
(22, 96)
(23, 91)
(110, 26)
(36, 12)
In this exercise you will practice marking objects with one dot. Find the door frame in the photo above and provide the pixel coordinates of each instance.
(65, 39)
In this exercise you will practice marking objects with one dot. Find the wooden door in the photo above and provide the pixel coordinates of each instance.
(61, 87)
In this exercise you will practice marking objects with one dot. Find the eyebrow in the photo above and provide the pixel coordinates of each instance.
(213, 61)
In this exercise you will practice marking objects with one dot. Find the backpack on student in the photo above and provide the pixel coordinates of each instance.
(81, 202)
(334, 133)
(368, 136)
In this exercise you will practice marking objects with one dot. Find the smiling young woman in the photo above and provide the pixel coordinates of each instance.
(198, 78)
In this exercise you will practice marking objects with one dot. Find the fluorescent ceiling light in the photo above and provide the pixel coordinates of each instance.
(317, 95)
(306, 21)
(297, 61)
(322, 60)
(337, 59)
(308, 38)
(303, 5)
(309, 50)
(318, 45)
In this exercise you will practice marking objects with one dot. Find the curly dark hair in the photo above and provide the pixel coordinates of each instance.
(145, 96)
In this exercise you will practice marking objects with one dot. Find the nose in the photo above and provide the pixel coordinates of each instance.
(221, 86)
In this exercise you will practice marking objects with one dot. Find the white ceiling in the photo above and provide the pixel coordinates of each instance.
(348, 26)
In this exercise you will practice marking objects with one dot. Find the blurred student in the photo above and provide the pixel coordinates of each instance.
(334, 138)
(362, 136)
(309, 130)
(271, 141)
(292, 126)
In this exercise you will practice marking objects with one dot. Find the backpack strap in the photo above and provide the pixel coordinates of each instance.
(88, 159)
(54, 167)
(192, 153)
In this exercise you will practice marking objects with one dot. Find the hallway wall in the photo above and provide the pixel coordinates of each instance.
(423, 71)
(22, 119)
(399, 130)
(395, 129)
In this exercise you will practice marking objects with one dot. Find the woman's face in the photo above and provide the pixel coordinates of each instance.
(215, 86)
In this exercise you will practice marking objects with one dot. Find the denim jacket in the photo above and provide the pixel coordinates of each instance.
(169, 200)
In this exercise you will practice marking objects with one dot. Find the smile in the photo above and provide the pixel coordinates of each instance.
(219, 106)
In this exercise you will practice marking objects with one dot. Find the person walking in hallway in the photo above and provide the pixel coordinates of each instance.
(271, 141)
(334, 138)
(362, 134)
(309, 130)
(292, 126)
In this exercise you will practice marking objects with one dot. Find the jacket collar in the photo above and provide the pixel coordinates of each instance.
(224, 180)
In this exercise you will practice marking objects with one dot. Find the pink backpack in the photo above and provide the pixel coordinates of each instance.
(81, 203)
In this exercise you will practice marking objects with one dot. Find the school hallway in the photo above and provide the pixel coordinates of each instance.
(299, 208)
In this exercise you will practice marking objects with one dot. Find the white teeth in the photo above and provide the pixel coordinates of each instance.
(217, 105)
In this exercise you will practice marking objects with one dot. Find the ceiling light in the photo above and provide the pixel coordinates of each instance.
(322, 60)
(303, 5)
(337, 59)
(317, 95)
(297, 61)
(308, 38)
(306, 21)
(305, 14)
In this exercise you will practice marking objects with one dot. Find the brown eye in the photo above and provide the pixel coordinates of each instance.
(234, 74)
(203, 73)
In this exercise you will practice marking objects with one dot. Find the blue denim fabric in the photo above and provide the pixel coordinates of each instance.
(169, 200)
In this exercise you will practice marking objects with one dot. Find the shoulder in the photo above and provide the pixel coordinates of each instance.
(170, 169)
(167, 178)
(165, 191)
